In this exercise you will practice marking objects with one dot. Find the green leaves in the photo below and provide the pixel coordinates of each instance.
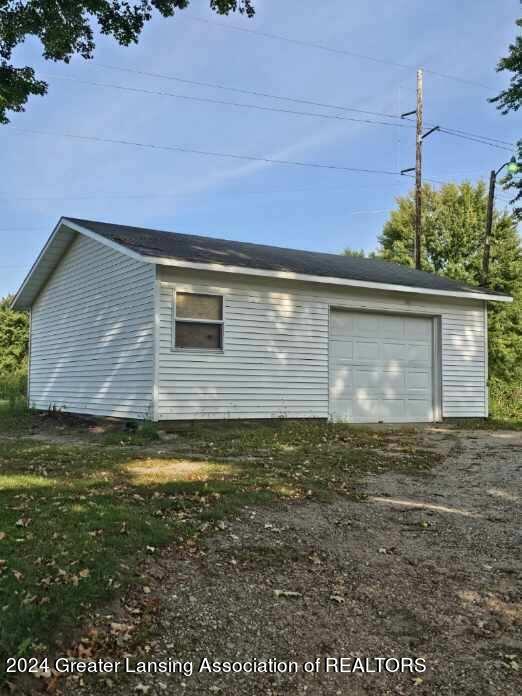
(14, 337)
(510, 99)
(66, 29)
(453, 223)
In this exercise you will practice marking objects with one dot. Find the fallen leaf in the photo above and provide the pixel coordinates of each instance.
(287, 593)
(337, 598)
(2, 535)
(23, 522)
(84, 573)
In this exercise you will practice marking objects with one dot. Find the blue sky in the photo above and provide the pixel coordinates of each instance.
(46, 177)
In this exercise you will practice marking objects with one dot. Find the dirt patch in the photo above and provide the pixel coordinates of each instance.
(425, 567)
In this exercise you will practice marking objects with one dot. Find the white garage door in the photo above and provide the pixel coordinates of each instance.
(380, 367)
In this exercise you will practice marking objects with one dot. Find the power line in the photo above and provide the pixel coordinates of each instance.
(295, 100)
(209, 100)
(255, 93)
(475, 140)
(339, 51)
(484, 140)
(476, 135)
(207, 153)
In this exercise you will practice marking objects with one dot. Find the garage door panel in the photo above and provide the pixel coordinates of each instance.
(394, 351)
(391, 327)
(417, 328)
(393, 409)
(393, 380)
(366, 325)
(381, 379)
(342, 324)
(419, 353)
(363, 409)
(341, 350)
(343, 410)
(341, 383)
(419, 410)
(366, 350)
(418, 380)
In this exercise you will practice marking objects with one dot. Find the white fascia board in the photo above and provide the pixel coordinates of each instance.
(75, 228)
(36, 263)
(103, 240)
(287, 275)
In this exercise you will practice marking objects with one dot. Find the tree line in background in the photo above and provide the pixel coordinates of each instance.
(14, 340)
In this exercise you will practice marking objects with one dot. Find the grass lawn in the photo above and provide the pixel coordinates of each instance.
(78, 516)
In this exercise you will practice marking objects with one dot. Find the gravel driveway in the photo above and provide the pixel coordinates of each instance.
(425, 567)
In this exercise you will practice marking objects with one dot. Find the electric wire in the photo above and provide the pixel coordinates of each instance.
(223, 102)
(473, 137)
(206, 153)
(339, 51)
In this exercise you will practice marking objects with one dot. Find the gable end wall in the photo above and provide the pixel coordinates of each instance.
(92, 334)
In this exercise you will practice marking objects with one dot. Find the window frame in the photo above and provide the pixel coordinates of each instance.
(214, 322)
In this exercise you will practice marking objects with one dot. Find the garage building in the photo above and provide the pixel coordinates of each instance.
(147, 324)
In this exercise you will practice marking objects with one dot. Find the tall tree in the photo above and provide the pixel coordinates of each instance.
(453, 232)
(510, 99)
(14, 338)
(67, 27)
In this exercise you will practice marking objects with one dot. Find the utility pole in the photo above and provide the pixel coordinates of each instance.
(418, 172)
(419, 137)
(489, 225)
(512, 169)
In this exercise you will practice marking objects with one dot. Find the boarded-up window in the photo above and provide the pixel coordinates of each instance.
(190, 306)
(199, 321)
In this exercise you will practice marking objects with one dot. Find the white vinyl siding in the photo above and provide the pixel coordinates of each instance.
(92, 334)
(464, 359)
(275, 354)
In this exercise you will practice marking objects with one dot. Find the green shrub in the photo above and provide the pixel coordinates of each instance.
(133, 433)
(149, 431)
(13, 387)
(505, 400)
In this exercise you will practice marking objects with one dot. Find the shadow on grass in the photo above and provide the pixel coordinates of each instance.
(77, 520)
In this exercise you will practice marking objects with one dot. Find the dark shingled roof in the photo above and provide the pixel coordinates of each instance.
(196, 249)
